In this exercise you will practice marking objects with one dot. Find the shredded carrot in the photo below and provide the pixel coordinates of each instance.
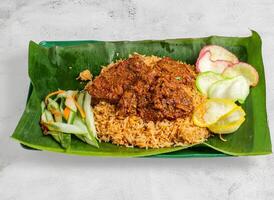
(66, 113)
(53, 93)
(82, 113)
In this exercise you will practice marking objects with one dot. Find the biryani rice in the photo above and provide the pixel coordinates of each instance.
(134, 131)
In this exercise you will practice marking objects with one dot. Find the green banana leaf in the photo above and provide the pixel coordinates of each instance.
(55, 65)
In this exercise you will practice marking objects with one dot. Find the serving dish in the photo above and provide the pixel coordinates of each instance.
(51, 61)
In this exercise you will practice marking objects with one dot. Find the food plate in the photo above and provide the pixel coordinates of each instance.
(54, 65)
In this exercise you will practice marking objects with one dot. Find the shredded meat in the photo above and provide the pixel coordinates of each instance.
(154, 92)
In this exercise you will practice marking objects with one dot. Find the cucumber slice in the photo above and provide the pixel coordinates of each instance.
(87, 137)
(63, 138)
(64, 128)
(52, 105)
(43, 106)
(80, 99)
(205, 80)
(61, 107)
(71, 118)
(236, 89)
(90, 118)
(49, 117)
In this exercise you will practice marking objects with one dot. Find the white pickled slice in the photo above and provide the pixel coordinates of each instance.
(205, 64)
(230, 122)
(236, 89)
(205, 80)
(220, 53)
(245, 70)
(215, 58)
(216, 108)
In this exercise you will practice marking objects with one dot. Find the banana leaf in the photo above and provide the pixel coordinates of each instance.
(55, 65)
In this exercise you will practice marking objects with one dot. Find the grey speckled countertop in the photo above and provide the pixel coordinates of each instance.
(43, 175)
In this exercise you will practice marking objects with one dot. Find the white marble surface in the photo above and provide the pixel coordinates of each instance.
(43, 175)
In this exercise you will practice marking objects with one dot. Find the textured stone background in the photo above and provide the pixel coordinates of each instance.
(43, 175)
